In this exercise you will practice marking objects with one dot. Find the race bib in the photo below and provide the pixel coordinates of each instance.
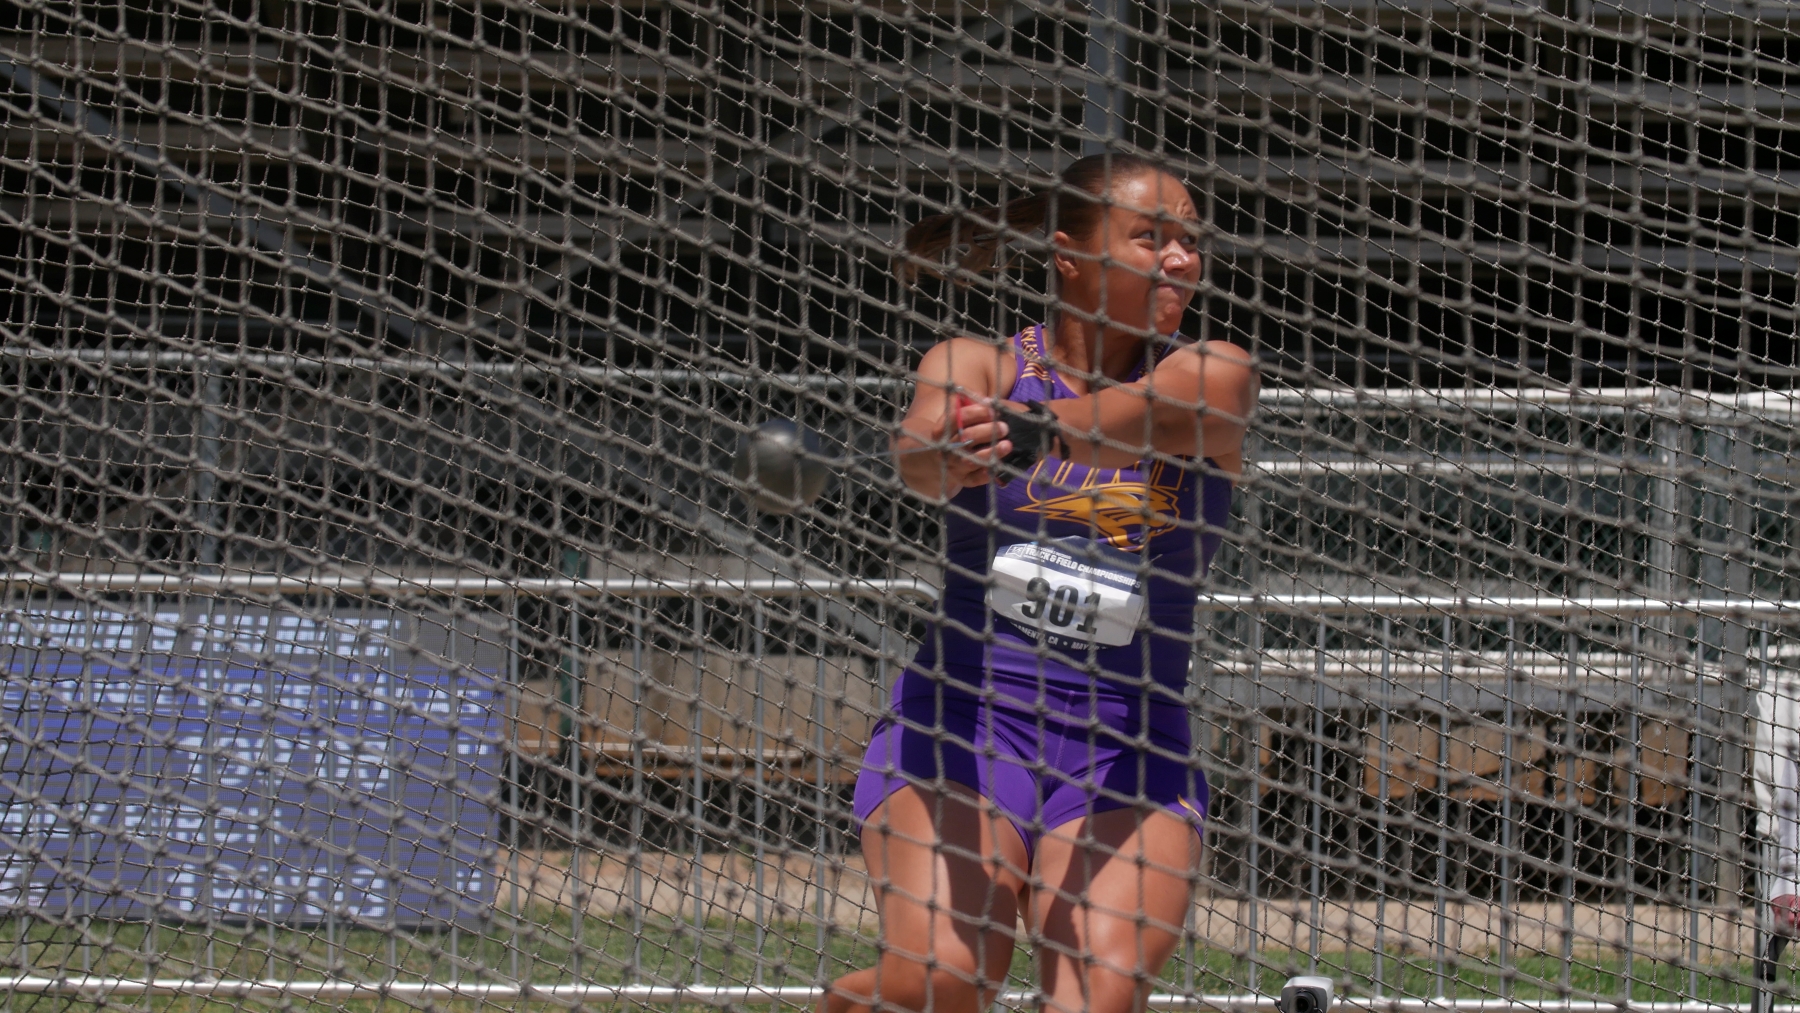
(1070, 592)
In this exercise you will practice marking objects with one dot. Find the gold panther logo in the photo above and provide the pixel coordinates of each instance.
(1121, 511)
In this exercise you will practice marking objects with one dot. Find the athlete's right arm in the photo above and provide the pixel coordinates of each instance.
(953, 369)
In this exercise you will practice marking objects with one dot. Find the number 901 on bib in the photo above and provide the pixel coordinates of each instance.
(1070, 592)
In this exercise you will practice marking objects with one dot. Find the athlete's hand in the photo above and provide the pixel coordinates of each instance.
(979, 424)
(983, 421)
(935, 461)
(969, 451)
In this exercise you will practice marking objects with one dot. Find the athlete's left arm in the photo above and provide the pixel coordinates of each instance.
(1196, 403)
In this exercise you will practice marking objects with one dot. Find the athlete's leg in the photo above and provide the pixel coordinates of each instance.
(1111, 893)
(948, 871)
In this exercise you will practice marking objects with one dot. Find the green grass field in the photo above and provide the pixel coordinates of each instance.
(543, 951)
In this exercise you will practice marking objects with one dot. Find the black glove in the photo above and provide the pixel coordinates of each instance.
(1034, 435)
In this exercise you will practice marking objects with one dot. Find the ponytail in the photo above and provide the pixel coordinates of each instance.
(982, 231)
(1075, 204)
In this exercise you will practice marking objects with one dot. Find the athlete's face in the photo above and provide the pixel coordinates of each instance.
(1141, 266)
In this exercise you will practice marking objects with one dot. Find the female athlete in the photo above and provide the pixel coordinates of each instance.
(1037, 758)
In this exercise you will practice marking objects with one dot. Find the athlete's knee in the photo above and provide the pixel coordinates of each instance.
(852, 993)
(1101, 992)
(906, 985)
(1095, 982)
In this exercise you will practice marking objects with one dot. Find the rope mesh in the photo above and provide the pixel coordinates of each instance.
(380, 610)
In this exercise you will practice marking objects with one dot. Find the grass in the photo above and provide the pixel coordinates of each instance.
(544, 950)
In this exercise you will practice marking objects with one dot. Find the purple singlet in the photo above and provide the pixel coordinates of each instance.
(1053, 682)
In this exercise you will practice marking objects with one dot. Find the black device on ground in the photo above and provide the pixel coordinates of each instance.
(1305, 993)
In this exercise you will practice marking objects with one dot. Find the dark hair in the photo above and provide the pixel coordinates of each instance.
(1075, 204)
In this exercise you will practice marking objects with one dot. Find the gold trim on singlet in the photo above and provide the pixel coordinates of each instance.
(1037, 361)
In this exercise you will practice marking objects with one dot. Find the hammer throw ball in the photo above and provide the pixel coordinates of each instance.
(782, 465)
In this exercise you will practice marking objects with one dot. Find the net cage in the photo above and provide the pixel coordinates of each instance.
(382, 623)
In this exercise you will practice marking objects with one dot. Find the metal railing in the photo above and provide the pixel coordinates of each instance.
(1577, 399)
(857, 587)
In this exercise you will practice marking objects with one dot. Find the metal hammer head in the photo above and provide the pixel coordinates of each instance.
(782, 467)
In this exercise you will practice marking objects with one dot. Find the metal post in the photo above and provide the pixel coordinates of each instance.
(1198, 729)
(1103, 114)
(267, 755)
(206, 458)
(819, 800)
(1440, 902)
(89, 782)
(1763, 983)
(1723, 572)
(1571, 805)
(1253, 847)
(152, 925)
(208, 430)
(514, 785)
(572, 694)
(1693, 814)
(458, 690)
(214, 676)
(1716, 636)
(1385, 719)
(1664, 437)
(1316, 788)
(696, 879)
(1507, 724)
(1737, 729)
(638, 801)
(758, 785)
(1631, 807)
(20, 962)
(390, 774)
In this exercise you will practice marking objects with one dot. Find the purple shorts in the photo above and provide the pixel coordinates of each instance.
(1069, 756)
